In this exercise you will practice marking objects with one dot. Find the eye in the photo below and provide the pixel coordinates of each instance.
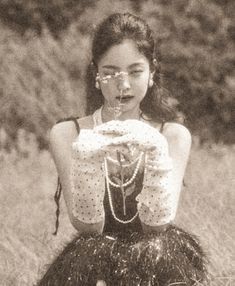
(109, 73)
(136, 72)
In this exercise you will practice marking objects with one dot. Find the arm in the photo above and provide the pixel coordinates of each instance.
(179, 143)
(61, 137)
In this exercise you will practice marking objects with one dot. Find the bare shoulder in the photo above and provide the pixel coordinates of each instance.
(179, 143)
(62, 133)
(62, 136)
(177, 133)
(66, 131)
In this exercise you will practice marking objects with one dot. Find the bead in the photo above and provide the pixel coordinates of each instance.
(133, 176)
(110, 197)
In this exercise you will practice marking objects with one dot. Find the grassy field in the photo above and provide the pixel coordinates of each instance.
(27, 185)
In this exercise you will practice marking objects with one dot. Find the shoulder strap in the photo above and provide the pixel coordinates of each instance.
(76, 124)
(162, 126)
(74, 119)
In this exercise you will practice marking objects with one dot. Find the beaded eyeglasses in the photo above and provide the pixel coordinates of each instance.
(117, 78)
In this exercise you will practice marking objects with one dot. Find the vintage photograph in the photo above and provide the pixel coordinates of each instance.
(117, 143)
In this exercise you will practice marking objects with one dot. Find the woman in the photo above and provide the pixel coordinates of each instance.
(122, 177)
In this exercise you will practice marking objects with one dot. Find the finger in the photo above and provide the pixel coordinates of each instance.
(107, 149)
(144, 147)
(109, 131)
(112, 149)
(150, 148)
(121, 140)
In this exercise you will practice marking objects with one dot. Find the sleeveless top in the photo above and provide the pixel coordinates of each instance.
(111, 225)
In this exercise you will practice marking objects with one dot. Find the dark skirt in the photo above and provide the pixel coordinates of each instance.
(170, 257)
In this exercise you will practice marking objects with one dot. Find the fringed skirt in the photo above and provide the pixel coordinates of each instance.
(172, 257)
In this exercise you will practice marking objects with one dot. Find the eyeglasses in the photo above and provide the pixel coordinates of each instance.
(119, 77)
(116, 77)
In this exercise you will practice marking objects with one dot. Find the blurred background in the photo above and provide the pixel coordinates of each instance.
(44, 51)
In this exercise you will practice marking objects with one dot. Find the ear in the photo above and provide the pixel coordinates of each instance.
(97, 83)
(151, 79)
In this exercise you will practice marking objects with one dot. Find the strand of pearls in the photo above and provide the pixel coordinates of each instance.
(139, 159)
(111, 202)
(97, 121)
(124, 165)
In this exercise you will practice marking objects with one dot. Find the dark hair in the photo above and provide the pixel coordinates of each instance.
(113, 31)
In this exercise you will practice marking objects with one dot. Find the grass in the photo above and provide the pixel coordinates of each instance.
(27, 211)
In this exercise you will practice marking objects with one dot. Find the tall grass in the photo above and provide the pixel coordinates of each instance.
(42, 78)
(27, 210)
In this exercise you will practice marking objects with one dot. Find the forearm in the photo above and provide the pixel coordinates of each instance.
(87, 188)
(156, 202)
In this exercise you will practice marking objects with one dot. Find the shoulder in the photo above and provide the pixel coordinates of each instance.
(179, 139)
(65, 132)
(62, 131)
(66, 129)
(176, 132)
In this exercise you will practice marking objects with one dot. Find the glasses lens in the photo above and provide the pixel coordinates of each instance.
(117, 77)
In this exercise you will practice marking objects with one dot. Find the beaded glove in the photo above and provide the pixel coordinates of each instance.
(157, 203)
(87, 176)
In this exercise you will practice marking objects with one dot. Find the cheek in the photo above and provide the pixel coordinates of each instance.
(141, 86)
(106, 90)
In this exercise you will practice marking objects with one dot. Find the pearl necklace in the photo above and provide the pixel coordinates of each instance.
(97, 118)
(111, 201)
(133, 176)
(124, 165)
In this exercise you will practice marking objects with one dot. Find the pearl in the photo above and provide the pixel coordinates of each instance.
(112, 208)
(133, 176)
(109, 191)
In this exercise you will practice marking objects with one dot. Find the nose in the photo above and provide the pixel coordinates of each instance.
(123, 82)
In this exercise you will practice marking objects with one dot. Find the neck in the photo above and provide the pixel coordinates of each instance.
(108, 114)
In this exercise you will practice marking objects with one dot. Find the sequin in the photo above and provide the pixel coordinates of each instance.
(173, 256)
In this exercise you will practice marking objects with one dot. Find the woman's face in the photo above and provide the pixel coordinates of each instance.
(125, 72)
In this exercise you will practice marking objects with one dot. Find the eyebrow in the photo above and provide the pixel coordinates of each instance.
(116, 68)
(110, 67)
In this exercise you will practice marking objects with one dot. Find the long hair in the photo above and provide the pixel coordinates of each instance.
(113, 31)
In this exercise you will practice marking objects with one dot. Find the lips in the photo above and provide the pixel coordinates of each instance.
(124, 98)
